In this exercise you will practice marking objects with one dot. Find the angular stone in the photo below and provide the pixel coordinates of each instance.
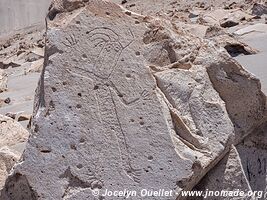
(226, 18)
(3, 81)
(12, 139)
(255, 28)
(11, 133)
(240, 90)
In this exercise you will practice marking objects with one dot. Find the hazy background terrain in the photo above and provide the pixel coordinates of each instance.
(18, 14)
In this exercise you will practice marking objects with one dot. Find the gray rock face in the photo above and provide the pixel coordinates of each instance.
(198, 107)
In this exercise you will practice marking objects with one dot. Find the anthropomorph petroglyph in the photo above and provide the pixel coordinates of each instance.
(98, 70)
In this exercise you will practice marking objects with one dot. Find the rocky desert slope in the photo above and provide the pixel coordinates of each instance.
(135, 94)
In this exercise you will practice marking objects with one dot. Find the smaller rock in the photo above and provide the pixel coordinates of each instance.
(255, 28)
(33, 56)
(11, 132)
(228, 175)
(229, 23)
(259, 9)
(7, 100)
(3, 81)
(11, 115)
(36, 66)
(19, 116)
(7, 63)
(7, 161)
(123, 1)
(193, 14)
(196, 29)
(226, 18)
(12, 137)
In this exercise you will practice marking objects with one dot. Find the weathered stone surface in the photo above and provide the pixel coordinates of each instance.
(199, 108)
(3, 81)
(36, 66)
(11, 132)
(7, 161)
(228, 175)
(255, 28)
(12, 137)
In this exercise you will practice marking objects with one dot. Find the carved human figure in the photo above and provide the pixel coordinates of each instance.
(100, 66)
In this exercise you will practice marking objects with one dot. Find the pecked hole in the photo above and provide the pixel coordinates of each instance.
(96, 87)
(54, 89)
(137, 53)
(79, 166)
(82, 140)
(150, 158)
(73, 146)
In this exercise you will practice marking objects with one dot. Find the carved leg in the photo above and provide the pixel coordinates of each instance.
(110, 119)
